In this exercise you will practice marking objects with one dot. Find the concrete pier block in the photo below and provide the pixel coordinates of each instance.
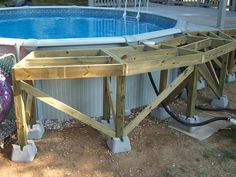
(184, 94)
(231, 77)
(25, 154)
(201, 84)
(194, 119)
(116, 145)
(221, 102)
(110, 124)
(160, 113)
(36, 132)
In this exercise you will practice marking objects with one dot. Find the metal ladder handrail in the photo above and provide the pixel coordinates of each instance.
(139, 8)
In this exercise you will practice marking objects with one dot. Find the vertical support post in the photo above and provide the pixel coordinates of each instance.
(233, 7)
(198, 3)
(30, 108)
(119, 3)
(223, 72)
(221, 14)
(163, 80)
(192, 93)
(21, 123)
(91, 3)
(106, 105)
(120, 106)
(231, 61)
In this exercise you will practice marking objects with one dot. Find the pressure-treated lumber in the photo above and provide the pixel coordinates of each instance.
(21, 122)
(66, 109)
(158, 100)
(196, 53)
(192, 92)
(106, 102)
(120, 106)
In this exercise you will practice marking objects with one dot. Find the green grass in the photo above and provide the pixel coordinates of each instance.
(4, 2)
(229, 154)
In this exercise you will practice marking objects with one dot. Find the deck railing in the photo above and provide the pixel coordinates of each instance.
(194, 3)
(114, 3)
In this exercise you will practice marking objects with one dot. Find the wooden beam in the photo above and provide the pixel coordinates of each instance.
(56, 61)
(66, 109)
(21, 123)
(223, 73)
(192, 93)
(28, 109)
(219, 51)
(205, 73)
(232, 61)
(113, 56)
(65, 53)
(163, 80)
(213, 72)
(106, 103)
(66, 72)
(221, 14)
(120, 106)
(111, 102)
(164, 63)
(164, 94)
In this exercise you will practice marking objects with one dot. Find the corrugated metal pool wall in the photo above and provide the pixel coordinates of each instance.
(86, 94)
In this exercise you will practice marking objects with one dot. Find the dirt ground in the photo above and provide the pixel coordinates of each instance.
(157, 150)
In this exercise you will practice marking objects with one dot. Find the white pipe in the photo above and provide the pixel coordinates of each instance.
(124, 14)
(139, 6)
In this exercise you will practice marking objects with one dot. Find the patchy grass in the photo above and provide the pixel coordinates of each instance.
(4, 2)
(229, 154)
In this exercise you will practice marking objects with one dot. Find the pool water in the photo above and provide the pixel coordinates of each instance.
(58, 25)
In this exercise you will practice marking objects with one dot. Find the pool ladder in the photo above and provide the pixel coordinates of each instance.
(138, 13)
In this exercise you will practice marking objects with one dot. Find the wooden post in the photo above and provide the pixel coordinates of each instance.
(120, 106)
(221, 14)
(106, 104)
(233, 7)
(30, 108)
(192, 93)
(231, 61)
(21, 123)
(223, 72)
(198, 3)
(163, 80)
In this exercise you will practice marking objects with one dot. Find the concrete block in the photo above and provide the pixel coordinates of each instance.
(26, 154)
(221, 102)
(116, 145)
(201, 84)
(194, 119)
(231, 77)
(184, 94)
(160, 113)
(36, 132)
(127, 112)
(110, 124)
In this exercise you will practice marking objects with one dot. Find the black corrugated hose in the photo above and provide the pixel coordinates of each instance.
(179, 119)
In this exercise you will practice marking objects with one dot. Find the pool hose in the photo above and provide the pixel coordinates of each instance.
(174, 116)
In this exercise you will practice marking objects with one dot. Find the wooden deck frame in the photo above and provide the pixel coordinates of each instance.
(194, 52)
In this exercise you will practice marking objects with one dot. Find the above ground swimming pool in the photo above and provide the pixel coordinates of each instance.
(24, 29)
(58, 26)
(51, 23)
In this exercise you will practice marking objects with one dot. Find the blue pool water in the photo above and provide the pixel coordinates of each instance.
(75, 23)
